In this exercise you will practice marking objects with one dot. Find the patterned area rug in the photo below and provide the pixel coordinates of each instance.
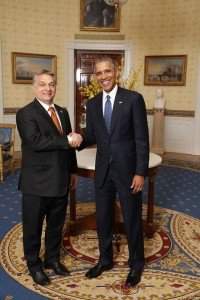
(172, 263)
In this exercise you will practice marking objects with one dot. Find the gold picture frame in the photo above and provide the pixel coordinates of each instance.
(24, 65)
(165, 70)
(97, 15)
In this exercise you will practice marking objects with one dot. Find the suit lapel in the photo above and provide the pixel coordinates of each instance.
(99, 111)
(118, 105)
(40, 109)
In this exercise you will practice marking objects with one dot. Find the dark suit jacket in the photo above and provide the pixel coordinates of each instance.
(47, 159)
(128, 143)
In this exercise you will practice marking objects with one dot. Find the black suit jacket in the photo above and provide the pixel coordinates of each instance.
(128, 143)
(47, 159)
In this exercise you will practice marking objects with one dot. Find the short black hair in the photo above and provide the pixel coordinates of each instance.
(104, 58)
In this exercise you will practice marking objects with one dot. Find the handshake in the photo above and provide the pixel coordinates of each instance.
(74, 139)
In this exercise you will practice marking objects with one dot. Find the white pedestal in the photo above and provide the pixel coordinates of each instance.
(158, 131)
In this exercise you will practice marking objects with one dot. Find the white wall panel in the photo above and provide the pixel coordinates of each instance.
(179, 134)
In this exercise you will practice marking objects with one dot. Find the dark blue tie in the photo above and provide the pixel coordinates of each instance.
(108, 112)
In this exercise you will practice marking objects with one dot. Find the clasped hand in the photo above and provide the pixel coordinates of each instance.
(74, 139)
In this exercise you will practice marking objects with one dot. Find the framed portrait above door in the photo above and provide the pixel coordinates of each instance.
(99, 15)
(165, 70)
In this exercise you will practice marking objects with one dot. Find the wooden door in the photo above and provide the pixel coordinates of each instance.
(84, 68)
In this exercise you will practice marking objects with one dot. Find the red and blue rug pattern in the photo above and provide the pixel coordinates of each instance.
(172, 268)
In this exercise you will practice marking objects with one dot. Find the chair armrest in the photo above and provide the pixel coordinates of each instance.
(6, 146)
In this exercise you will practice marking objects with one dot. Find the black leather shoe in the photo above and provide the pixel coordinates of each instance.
(133, 278)
(40, 277)
(58, 268)
(97, 270)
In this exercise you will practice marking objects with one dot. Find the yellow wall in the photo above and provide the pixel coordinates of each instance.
(156, 27)
(39, 26)
(163, 27)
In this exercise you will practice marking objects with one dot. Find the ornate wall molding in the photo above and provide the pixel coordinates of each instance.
(99, 36)
(168, 112)
(175, 113)
(10, 110)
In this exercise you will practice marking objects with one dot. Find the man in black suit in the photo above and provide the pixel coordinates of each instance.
(117, 122)
(48, 167)
(98, 14)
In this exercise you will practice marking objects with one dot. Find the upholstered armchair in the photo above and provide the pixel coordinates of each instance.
(7, 139)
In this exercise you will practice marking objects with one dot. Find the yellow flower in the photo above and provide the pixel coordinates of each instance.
(91, 90)
(130, 83)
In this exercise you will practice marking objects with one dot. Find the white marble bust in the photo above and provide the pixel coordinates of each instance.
(160, 100)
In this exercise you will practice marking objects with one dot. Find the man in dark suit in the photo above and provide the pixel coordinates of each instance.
(98, 14)
(117, 122)
(48, 167)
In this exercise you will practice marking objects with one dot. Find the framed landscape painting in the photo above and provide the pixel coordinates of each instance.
(165, 70)
(25, 65)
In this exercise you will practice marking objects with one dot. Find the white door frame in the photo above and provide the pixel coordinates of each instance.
(90, 45)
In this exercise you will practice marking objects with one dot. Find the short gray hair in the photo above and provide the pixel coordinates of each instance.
(42, 72)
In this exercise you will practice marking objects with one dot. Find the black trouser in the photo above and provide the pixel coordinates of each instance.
(34, 210)
(131, 206)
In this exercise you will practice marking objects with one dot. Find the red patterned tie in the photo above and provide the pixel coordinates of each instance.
(55, 119)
